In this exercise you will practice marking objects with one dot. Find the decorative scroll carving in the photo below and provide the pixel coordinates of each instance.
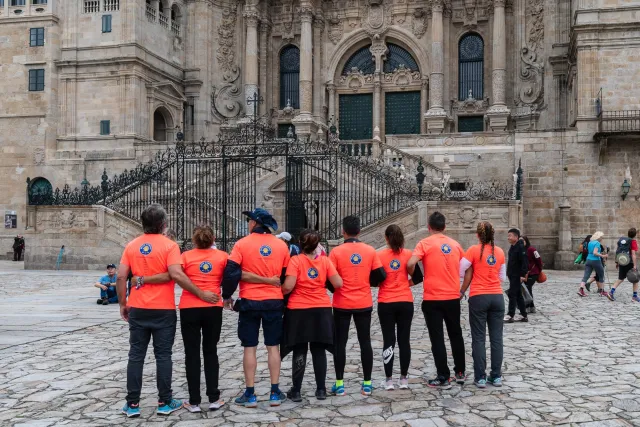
(402, 76)
(377, 17)
(419, 23)
(225, 100)
(531, 67)
(470, 105)
(355, 79)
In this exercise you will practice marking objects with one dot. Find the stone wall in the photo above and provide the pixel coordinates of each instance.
(93, 236)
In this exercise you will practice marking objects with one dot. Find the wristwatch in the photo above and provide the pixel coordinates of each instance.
(139, 282)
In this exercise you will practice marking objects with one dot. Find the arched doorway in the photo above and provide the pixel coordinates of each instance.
(162, 124)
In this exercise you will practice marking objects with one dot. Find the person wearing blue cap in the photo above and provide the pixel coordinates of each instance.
(107, 286)
(258, 264)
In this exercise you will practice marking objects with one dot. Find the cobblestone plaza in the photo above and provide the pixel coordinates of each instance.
(63, 362)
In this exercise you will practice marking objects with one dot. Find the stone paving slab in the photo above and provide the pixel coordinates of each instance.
(63, 362)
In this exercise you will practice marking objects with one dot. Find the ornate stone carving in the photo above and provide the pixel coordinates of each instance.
(402, 76)
(225, 101)
(355, 79)
(288, 111)
(470, 105)
(377, 17)
(335, 28)
(419, 23)
(38, 156)
(470, 17)
(531, 89)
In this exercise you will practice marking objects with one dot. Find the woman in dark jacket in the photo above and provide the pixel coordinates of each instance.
(535, 267)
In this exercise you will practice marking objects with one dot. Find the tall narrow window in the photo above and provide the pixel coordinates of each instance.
(471, 67)
(36, 80)
(105, 127)
(36, 37)
(17, 2)
(290, 77)
(106, 23)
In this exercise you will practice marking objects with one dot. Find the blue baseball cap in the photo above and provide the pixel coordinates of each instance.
(262, 217)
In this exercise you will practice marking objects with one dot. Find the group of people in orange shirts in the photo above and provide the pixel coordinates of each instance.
(287, 297)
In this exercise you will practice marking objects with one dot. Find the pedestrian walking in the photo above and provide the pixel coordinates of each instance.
(395, 305)
(360, 268)
(151, 309)
(18, 247)
(601, 291)
(254, 262)
(534, 261)
(308, 320)
(440, 256)
(517, 268)
(595, 260)
(483, 268)
(626, 261)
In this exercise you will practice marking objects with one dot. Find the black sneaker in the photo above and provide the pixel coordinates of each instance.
(294, 395)
(321, 394)
(105, 302)
(441, 383)
(460, 378)
(588, 286)
(99, 302)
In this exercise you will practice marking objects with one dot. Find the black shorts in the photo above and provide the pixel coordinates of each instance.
(249, 327)
(623, 270)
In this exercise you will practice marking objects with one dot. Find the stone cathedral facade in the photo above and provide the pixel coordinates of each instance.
(478, 86)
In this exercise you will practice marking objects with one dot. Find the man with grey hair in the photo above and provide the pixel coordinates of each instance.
(151, 310)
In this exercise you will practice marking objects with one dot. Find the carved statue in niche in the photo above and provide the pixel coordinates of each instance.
(531, 92)
(225, 100)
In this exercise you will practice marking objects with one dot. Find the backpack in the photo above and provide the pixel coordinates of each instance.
(623, 251)
(294, 250)
(585, 250)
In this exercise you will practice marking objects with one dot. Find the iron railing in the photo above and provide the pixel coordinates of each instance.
(619, 121)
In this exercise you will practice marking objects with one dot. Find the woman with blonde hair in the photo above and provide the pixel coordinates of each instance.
(595, 258)
(483, 267)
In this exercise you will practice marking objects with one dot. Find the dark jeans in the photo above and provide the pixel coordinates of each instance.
(17, 254)
(143, 324)
(299, 364)
(593, 265)
(394, 314)
(486, 310)
(201, 323)
(435, 312)
(531, 280)
(342, 322)
(109, 294)
(515, 297)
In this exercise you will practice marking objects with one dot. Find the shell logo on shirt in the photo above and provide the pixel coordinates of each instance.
(446, 249)
(491, 260)
(205, 267)
(265, 250)
(355, 259)
(312, 273)
(145, 249)
(394, 264)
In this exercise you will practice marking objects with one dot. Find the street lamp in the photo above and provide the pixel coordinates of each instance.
(625, 189)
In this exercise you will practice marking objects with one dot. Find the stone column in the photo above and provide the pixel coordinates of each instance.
(305, 126)
(424, 100)
(331, 88)
(377, 108)
(318, 90)
(251, 58)
(265, 28)
(563, 259)
(498, 113)
(436, 116)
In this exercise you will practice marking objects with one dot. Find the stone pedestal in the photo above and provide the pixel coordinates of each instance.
(563, 259)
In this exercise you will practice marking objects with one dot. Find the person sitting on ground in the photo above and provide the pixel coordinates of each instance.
(286, 237)
(107, 286)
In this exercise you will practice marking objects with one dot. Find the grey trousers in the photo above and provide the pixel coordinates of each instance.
(486, 310)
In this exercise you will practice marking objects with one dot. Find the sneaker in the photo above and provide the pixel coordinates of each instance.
(105, 302)
(321, 394)
(521, 319)
(337, 390)
(294, 396)
(588, 286)
(276, 398)
(388, 384)
(99, 302)
(131, 411)
(581, 292)
(168, 408)
(460, 378)
(214, 406)
(496, 382)
(192, 408)
(481, 383)
(610, 296)
(247, 401)
(602, 292)
(440, 383)
(636, 299)
(403, 383)
(532, 310)
(508, 319)
(366, 390)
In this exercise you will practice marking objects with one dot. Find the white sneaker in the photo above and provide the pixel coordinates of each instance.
(403, 383)
(214, 406)
(388, 384)
(507, 317)
(192, 408)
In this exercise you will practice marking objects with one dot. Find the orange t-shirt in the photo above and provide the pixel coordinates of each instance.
(204, 267)
(486, 271)
(311, 276)
(264, 255)
(440, 257)
(354, 261)
(395, 287)
(148, 255)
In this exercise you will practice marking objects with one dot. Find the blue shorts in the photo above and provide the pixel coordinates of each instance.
(249, 327)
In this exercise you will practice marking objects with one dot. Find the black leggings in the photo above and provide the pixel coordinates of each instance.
(392, 314)
(342, 321)
(299, 363)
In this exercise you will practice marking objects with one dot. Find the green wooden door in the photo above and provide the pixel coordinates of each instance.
(356, 117)
(402, 113)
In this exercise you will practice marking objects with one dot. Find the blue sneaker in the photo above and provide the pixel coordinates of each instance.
(169, 408)
(131, 411)
(276, 398)
(366, 389)
(247, 401)
(496, 382)
(481, 383)
(338, 391)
